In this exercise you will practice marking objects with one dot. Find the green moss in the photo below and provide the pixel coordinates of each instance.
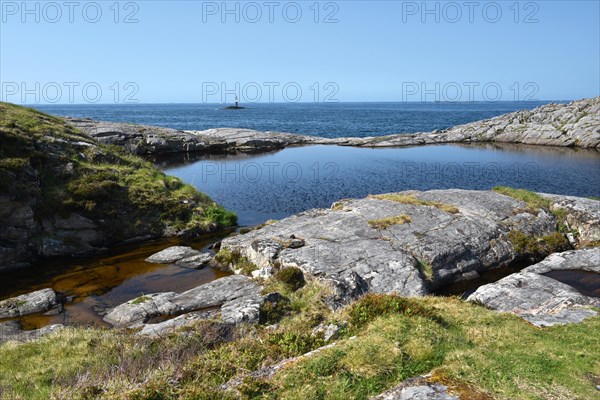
(372, 306)
(426, 270)
(217, 215)
(232, 260)
(411, 199)
(291, 277)
(538, 247)
(14, 163)
(533, 200)
(273, 311)
(141, 299)
(385, 223)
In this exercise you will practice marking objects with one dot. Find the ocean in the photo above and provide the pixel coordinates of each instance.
(318, 119)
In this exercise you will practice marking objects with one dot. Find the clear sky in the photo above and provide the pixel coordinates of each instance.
(198, 51)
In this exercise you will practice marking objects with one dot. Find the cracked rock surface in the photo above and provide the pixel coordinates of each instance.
(540, 299)
(436, 247)
(238, 298)
(30, 303)
(11, 331)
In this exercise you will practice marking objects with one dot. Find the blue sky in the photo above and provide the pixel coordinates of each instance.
(196, 51)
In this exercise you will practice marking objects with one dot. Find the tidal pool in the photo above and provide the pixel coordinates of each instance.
(278, 184)
(94, 285)
(586, 282)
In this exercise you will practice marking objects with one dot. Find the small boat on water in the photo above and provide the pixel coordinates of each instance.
(236, 107)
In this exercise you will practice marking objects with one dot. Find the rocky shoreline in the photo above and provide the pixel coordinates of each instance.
(359, 247)
(64, 194)
(403, 245)
(386, 255)
(408, 243)
(576, 124)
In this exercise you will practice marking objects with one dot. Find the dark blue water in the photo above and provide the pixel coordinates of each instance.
(276, 185)
(319, 119)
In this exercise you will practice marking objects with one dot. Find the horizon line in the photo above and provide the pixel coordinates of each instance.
(305, 102)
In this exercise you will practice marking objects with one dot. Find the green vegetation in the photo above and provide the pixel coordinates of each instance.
(141, 299)
(231, 260)
(538, 247)
(477, 352)
(272, 312)
(44, 158)
(533, 200)
(385, 223)
(411, 199)
(426, 270)
(291, 277)
(340, 205)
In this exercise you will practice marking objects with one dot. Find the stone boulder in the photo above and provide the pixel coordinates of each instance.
(540, 299)
(172, 254)
(11, 331)
(426, 391)
(30, 303)
(237, 297)
(181, 256)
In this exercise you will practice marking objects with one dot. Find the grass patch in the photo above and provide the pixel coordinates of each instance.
(411, 199)
(372, 306)
(291, 277)
(63, 171)
(141, 299)
(233, 261)
(425, 269)
(538, 248)
(475, 351)
(533, 200)
(385, 223)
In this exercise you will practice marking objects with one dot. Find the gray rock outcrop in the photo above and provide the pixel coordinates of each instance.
(30, 303)
(576, 124)
(416, 389)
(172, 254)
(540, 299)
(408, 242)
(170, 325)
(582, 216)
(237, 297)
(64, 194)
(182, 256)
(11, 331)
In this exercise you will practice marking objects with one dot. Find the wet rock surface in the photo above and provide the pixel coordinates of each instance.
(237, 297)
(11, 331)
(574, 124)
(30, 303)
(358, 246)
(181, 256)
(539, 299)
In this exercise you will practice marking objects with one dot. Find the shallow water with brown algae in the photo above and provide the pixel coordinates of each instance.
(99, 283)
